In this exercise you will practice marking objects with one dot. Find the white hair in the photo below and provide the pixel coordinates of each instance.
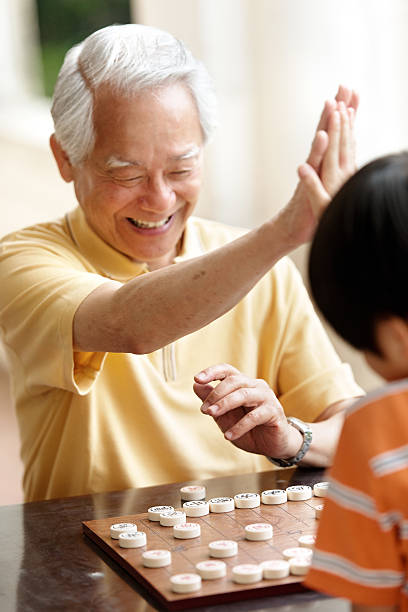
(129, 58)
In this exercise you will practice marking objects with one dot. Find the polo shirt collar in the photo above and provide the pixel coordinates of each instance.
(111, 263)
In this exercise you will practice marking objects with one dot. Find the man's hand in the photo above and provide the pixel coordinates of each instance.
(332, 158)
(247, 412)
(338, 162)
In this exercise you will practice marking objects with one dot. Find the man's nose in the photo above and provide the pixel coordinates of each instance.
(158, 195)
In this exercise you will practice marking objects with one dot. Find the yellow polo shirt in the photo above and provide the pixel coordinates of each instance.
(103, 421)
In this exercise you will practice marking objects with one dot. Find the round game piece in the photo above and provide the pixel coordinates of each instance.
(299, 566)
(196, 508)
(318, 510)
(118, 528)
(223, 548)
(258, 531)
(132, 539)
(320, 489)
(297, 551)
(274, 496)
(153, 513)
(307, 540)
(247, 500)
(221, 504)
(185, 583)
(246, 573)
(156, 558)
(192, 493)
(175, 517)
(185, 531)
(299, 492)
(209, 570)
(275, 568)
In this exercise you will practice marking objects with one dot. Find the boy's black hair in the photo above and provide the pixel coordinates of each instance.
(358, 264)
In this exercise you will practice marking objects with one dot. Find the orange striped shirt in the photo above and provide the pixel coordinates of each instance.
(361, 550)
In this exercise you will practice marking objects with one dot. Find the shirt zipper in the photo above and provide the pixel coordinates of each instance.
(169, 362)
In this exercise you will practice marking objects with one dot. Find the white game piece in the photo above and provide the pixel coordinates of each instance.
(275, 568)
(192, 493)
(185, 583)
(299, 565)
(222, 504)
(320, 489)
(153, 513)
(246, 573)
(175, 517)
(185, 531)
(274, 496)
(156, 558)
(132, 539)
(196, 508)
(307, 541)
(223, 548)
(258, 531)
(247, 500)
(297, 551)
(299, 492)
(209, 570)
(318, 510)
(118, 528)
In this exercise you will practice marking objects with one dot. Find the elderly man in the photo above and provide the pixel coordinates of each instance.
(109, 312)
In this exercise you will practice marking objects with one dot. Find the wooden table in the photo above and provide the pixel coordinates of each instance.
(46, 563)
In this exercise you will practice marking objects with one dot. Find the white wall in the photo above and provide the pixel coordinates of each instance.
(274, 63)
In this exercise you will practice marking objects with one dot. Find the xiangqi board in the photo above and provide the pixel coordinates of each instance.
(289, 521)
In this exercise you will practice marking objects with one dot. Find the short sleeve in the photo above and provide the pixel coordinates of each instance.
(358, 552)
(42, 286)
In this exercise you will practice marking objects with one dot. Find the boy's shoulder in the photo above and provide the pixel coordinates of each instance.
(395, 393)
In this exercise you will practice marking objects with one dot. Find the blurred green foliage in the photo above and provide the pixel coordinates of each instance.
(64, 23)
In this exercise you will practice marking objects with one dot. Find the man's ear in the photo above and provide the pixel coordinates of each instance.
(62, 159)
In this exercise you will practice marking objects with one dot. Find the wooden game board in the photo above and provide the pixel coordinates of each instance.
(289, 521)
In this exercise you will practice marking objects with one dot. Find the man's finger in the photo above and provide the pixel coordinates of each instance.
(355, 100)
(328, 107)
(315, 192)
(202, 391)
(317, 150)
(344, 94)
(216, 372)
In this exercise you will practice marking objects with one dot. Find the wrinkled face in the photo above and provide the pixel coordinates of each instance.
(142, 180)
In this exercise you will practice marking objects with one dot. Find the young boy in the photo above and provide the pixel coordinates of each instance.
(358, 276)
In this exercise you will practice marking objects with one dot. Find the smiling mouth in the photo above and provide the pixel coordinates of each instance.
(148, 224)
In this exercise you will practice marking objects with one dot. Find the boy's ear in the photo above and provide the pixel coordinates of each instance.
(62, 159)
(392, 339)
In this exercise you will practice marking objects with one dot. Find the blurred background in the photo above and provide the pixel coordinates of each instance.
(274, 62)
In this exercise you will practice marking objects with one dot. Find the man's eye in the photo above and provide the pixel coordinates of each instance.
(180, 172)
(130, 179)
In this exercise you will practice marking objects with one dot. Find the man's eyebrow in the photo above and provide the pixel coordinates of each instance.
(193, 152)
(118, 162)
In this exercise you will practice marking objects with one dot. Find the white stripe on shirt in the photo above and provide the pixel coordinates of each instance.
(377, 578)
(390, 461)
(350, 498)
